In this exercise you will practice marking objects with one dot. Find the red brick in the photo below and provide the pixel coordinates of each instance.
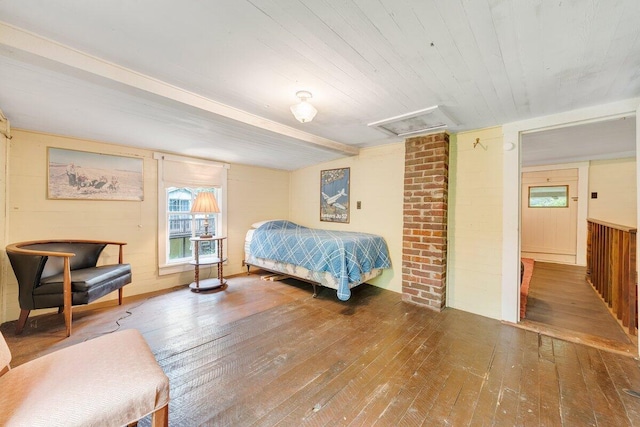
(425, 214)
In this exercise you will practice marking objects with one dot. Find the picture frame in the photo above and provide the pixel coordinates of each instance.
(84, 175)
(335, 195)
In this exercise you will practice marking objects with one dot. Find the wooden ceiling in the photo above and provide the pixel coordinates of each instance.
(216, 79)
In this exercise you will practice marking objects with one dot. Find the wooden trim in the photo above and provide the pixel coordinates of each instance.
(633, 283)
(66, 289)
(20, 39)
(160, 418)
(589, 250)
(626, 280)
(614, 266)
(611, 269)
(612, 225)
(18, 247)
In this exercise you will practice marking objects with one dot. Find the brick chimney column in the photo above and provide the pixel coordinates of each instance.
(424, 242)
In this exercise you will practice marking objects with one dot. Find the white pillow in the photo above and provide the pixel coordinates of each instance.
(260, 223)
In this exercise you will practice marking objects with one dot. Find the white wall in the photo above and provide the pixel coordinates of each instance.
(475, 222)
(377, 180)
(615, 183)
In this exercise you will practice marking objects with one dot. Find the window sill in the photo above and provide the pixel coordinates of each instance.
(164, 270)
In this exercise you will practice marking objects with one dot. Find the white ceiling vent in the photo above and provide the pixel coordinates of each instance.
(421, 121)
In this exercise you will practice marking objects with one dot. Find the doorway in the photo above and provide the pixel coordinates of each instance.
(549, 233)
(550, 215)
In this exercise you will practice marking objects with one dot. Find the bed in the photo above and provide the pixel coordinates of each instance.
(339, 260)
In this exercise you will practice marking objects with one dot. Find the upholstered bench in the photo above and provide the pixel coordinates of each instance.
(113, 380)
(63, 273)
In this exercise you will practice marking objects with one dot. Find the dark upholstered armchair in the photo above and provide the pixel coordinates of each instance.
(63, 273)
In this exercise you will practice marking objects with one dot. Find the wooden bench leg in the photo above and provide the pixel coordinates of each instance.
(160, 418)
(22, 320)
(120, 294)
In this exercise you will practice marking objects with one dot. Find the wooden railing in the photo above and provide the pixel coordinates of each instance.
(611, 269)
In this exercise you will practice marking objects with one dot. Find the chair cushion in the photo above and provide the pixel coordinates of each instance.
(112, 380)
(83, 279)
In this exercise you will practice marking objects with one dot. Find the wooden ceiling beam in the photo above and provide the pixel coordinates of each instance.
(16, 38)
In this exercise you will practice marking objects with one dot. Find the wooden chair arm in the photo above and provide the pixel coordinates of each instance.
(17, 248)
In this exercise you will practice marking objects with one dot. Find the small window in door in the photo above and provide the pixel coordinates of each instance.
(549, 197)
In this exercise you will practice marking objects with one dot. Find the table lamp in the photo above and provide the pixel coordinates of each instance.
(205, 203)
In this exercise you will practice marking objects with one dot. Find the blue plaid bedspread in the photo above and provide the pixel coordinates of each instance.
(345, 255)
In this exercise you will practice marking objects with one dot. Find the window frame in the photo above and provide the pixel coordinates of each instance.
(566, 192)
(164, 266)
(193, 219)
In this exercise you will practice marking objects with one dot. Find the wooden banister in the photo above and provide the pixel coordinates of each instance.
(611, 268)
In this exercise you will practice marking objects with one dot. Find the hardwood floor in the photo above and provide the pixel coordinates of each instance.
(267, 353)
(561, 300)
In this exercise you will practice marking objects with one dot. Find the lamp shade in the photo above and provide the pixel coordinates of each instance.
(205, 203)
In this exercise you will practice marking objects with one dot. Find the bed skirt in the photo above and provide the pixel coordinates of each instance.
(323, 278)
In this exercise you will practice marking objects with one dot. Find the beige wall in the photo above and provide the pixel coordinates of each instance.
(615, 183)
(253, 193)
(475, 213)
(4, 262)
(377, 180)
(475, 223)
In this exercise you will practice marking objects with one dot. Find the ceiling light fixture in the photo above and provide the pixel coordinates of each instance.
(304, 112)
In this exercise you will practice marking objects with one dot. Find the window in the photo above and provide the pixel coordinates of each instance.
(183, 224)
(549, 197)
(180, 179)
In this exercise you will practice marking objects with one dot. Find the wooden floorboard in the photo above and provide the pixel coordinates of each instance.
(562, 303)
(263, 353)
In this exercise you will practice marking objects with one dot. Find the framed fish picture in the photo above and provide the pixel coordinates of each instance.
(334, 195)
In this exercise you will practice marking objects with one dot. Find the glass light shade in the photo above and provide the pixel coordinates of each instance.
(304, 112)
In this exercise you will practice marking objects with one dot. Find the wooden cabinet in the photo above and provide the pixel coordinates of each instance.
(198, 261)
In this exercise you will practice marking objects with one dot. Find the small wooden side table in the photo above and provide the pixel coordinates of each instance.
(207, 284)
